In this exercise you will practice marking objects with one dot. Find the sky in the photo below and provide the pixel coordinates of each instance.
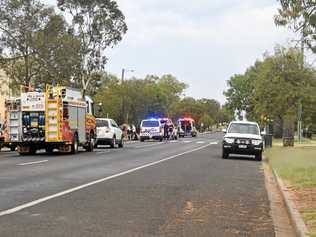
(202, 42)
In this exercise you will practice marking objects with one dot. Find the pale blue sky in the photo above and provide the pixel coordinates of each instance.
(201, 42)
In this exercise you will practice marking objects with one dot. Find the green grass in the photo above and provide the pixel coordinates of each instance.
(297, 165)
(304, 142)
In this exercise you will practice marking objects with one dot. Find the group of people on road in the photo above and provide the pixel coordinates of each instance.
(130, 132)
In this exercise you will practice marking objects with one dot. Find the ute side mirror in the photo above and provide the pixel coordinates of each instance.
(224, 130)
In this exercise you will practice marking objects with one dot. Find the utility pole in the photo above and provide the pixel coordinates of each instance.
(124, 119)
(123, 96)
(300, 107)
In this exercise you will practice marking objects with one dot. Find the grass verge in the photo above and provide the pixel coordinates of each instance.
(297, 167)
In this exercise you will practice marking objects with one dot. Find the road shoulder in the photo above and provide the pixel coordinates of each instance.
(281, 220)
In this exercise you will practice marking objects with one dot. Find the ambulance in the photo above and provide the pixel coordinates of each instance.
(186, 127)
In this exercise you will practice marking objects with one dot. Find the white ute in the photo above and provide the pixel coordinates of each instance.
(108, 133)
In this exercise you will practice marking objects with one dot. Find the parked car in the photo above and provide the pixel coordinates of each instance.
(151, 129)
(243, 138)
(108, 133)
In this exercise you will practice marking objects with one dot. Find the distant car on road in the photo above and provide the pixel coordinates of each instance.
(243, 138)
(108, 133)
(151, 129)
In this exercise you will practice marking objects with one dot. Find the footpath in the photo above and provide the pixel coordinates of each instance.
(295, 172)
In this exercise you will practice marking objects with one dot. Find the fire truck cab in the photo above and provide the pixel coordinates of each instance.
(59, 118)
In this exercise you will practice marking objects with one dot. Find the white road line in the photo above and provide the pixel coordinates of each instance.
(214, 143)
(33, 163)
(200, 142)
(63, 193)
(187, 141)
(155, 144)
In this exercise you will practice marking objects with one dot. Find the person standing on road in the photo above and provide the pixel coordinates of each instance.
(166, 131)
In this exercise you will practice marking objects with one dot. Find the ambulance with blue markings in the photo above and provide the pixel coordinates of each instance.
(151, 129)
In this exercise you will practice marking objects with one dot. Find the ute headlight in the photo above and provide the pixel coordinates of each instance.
(256, 142)
(229, 140)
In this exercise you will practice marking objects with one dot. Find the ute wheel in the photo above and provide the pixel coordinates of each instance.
(91, 144)
(113, 142)
(75, 145)
(12, 148)
(225, 155)
(259, 157)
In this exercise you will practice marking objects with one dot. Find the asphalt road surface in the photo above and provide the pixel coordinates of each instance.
(180, 188)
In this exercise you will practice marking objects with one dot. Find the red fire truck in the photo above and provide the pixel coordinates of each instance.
(59, 118)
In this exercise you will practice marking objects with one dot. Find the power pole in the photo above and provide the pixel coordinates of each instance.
(300, 106)
(123, 96)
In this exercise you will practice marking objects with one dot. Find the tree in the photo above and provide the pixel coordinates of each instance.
(98, 24)
(57, 54)
(142, 97)
(240, 91)
(37, 47)
(206, 122)
(20, 20)
(171, 90)
(282, 85)
(279, 83)
(224, 115)
(301, 16)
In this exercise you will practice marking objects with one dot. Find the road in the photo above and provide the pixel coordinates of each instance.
(180, 188)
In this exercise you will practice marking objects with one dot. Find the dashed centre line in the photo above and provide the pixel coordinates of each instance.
(33, 163)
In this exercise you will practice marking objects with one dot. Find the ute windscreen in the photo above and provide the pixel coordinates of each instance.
(244, 128)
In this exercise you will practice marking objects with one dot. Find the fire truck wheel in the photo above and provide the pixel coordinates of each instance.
(49, 150)
(91, 144)
(113, 142)
(12, 148)
(75, 145)
(31, 151)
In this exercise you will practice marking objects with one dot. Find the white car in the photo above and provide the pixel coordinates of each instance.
(243, 138)
(108, 133)
(151, 129)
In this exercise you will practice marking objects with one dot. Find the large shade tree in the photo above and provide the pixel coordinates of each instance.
(279, 84)
(300, 15)
(98, 24)
(20, 20)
